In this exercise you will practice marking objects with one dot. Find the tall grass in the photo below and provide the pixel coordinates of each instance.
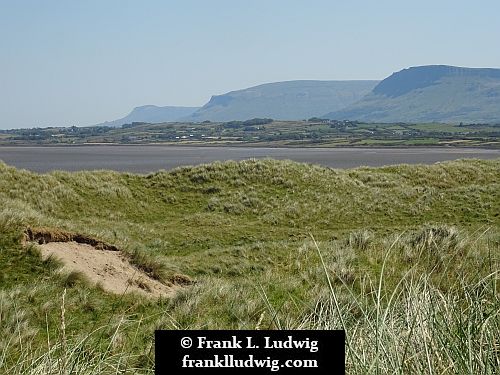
(414, 327)
(405, 258)
(100, 351)
(78, 355)
(413, 323)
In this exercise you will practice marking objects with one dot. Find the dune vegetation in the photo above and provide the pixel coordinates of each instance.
(404, 258)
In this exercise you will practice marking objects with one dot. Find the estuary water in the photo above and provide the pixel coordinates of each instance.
(150, 158)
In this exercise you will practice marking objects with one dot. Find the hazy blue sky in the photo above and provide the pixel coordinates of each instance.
(82, 62)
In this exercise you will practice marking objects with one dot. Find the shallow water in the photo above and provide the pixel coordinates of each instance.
(144, 159)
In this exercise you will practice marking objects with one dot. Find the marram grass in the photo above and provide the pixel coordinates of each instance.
(404, 258)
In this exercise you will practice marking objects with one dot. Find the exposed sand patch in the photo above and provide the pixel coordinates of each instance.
(110, 269)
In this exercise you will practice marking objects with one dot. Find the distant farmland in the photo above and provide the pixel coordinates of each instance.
(266, 132)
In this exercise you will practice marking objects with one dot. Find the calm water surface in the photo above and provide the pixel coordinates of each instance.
(144, 159)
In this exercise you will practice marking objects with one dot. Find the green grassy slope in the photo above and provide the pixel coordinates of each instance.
(291, 100)
(244, 231)
(431, 93)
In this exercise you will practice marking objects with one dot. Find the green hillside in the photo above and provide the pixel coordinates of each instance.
(431, 93)
(292, 100)
(405, 258)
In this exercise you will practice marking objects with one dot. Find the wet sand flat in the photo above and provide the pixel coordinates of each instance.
(150, 158)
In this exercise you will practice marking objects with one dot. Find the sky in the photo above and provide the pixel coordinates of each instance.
(65, 63)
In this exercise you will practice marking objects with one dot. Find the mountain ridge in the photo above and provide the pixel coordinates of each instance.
(285, 100)
(429, 93)
(152, 113)
(439, 93)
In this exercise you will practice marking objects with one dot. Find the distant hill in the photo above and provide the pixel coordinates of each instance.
(430, 93)
(291, 100)
(153, 114)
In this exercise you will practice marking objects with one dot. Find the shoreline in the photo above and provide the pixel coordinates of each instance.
(254, 146)
(151, 158)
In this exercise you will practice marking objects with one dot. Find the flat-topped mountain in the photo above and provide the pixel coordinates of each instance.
(434, 93)
(291, 100)
(153, 114)
(430, 93)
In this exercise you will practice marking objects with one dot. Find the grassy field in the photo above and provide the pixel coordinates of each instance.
(404, 258)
